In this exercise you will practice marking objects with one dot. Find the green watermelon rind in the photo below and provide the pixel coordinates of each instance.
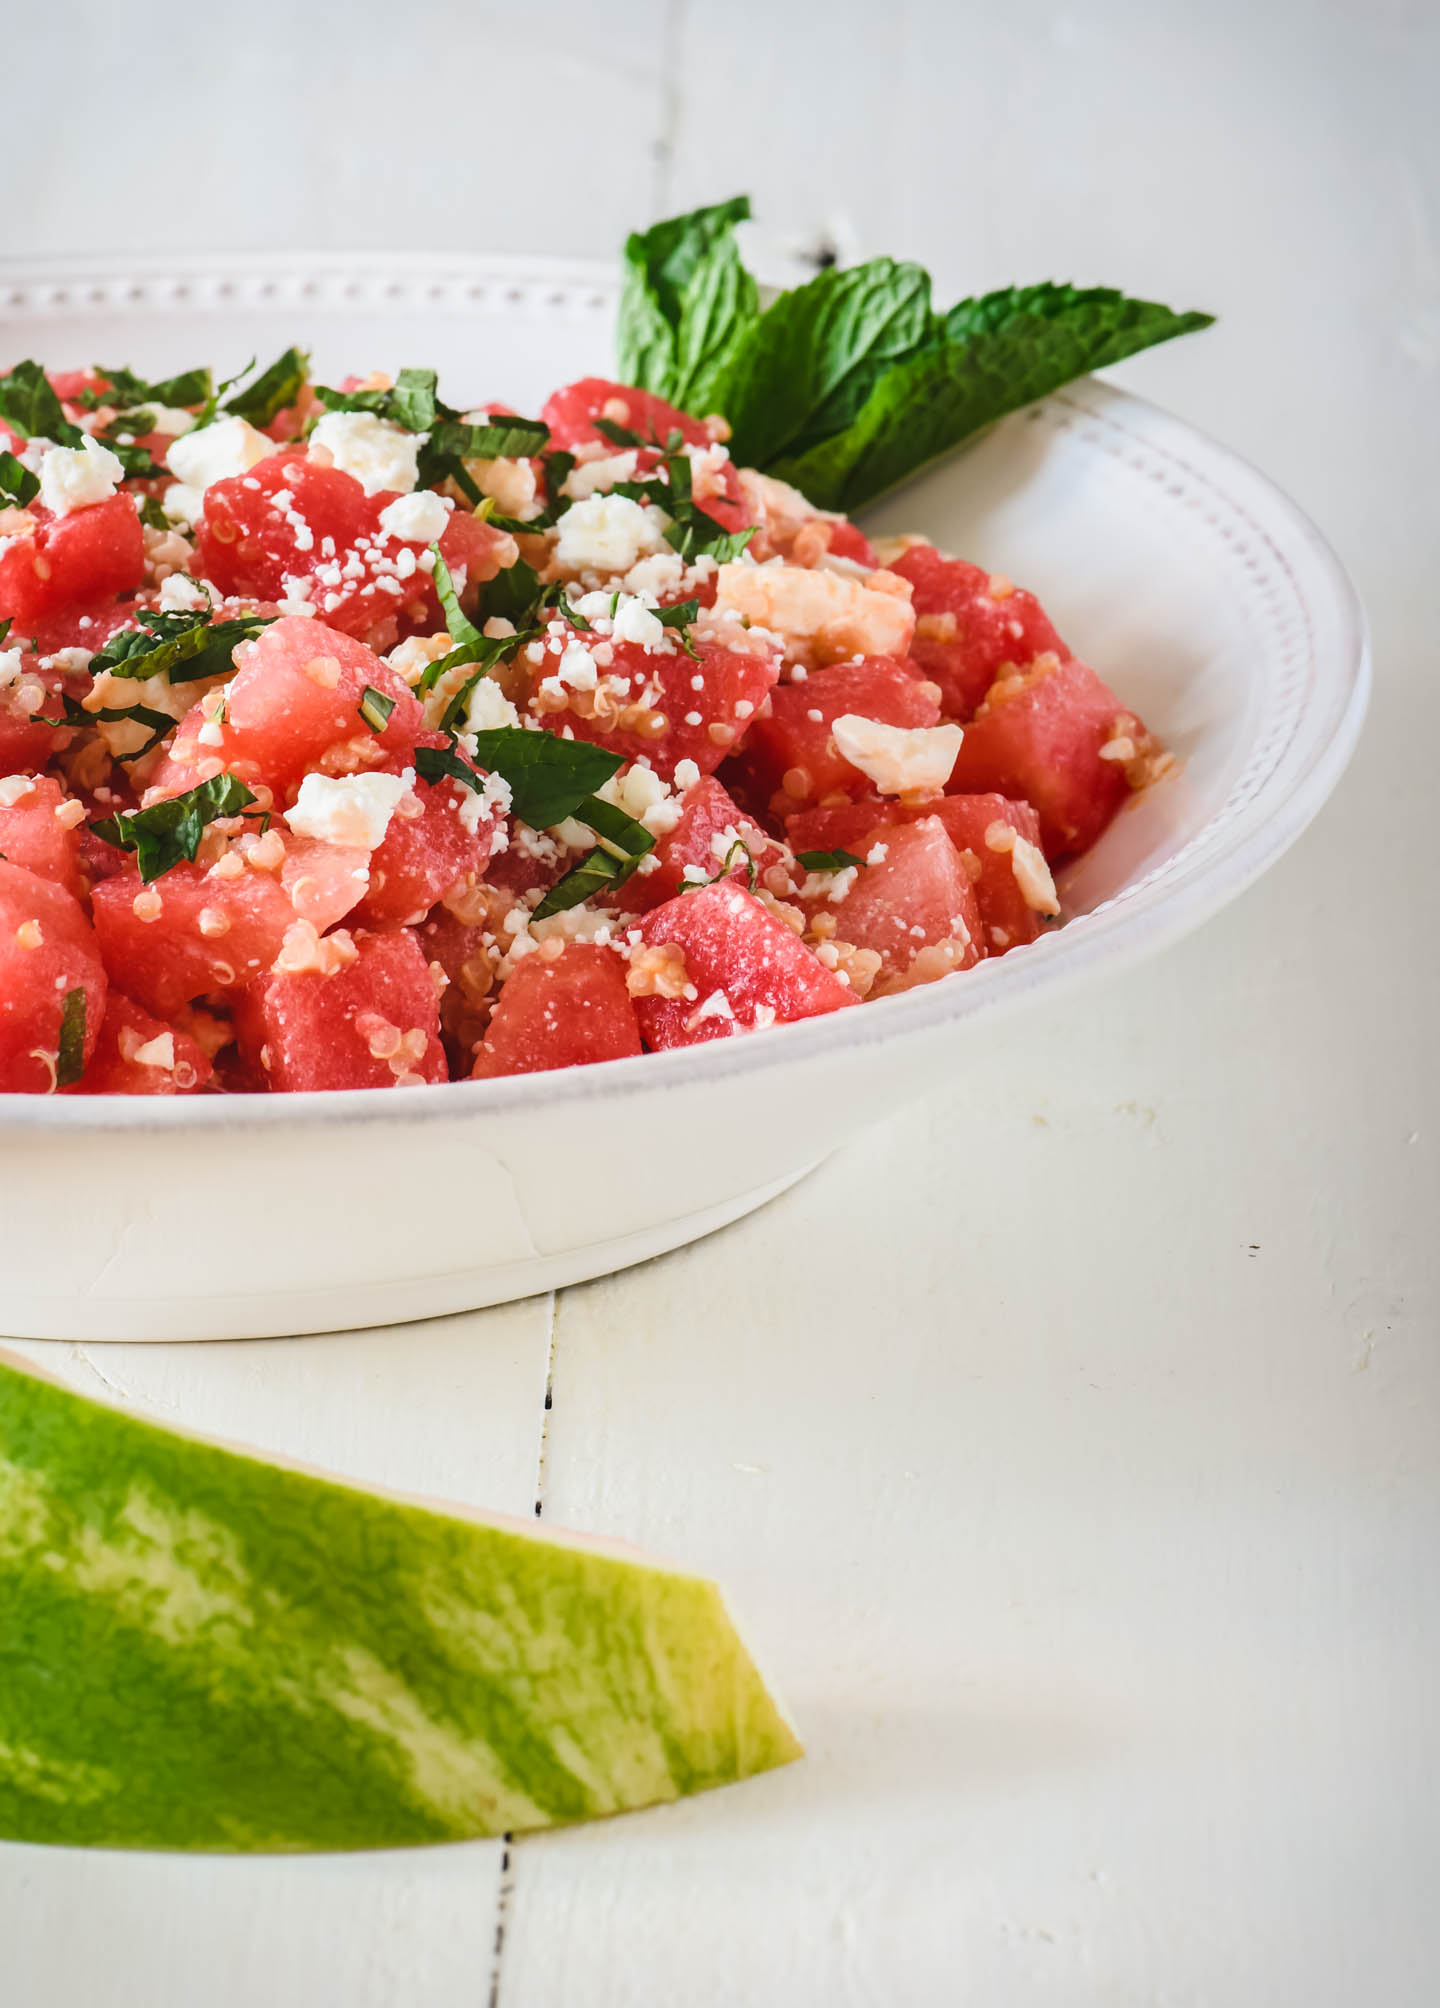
(202, 1650)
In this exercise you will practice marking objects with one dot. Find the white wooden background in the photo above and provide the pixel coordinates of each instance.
(1103, 1579)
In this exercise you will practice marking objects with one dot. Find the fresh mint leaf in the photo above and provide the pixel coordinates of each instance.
(620, 435)
(827, 861)
(623, 842)
(549, 777)
(126, 390)
(456, 626)
(272, 391)
(375, 707)
(727, 865)
(678, 309)
(807, 366)
(70, 1059)
(501, 438)
(515, 595)
(17, 484)
(168, 832)
(185, 647)
(487, 654)
(928, 404)
(160, 723)
(29, 405)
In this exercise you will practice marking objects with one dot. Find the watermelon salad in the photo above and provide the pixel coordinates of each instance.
(352, 739)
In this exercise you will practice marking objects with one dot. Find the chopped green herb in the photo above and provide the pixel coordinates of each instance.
(549, 777)
(160, 723)
(850, 383)
(70, 1060)
(456, 625)
(375, 707)
(827, 861)
(17, 484)
(679, 616)
(727, 865)
(276, 387)
(487, 654)
(623, 842)
(620, 435)
(124, 388)
(186, 647)
(28, 404)
(151, 513)
(517, 526)
(168, 832)
(441, 763)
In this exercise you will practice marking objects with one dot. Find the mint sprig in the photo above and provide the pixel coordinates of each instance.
(851, 383)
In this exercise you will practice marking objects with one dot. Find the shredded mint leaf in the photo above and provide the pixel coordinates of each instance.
(160, 723)
(124, 388)
(185, 647)
(549, 777)
(17, 484)
(515, 594)
(70, 1060)
(623, 842)
(517, 526)
(275, 388)
(152, 515)
(930, 403)
(621, 435)
(5, 627)
(807, 366)
(727, 865)
(28, 405)
(701, 533)
(171, 831)
(375, 707)
(457, 626)
(442, 763)
(487, 654)
(827, 861)
(685, 297)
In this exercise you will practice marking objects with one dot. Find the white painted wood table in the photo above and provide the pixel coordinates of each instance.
(1068, 1445)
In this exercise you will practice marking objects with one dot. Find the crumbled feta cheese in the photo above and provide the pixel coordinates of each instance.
(1032, 876)
(351, 809)
(576, 670)
(877, 854)
(165, 418)
(608, 534)
(75, 477)
(492, 800)
(215, 452)
(686, 775)
(634, 621)
(376, 453)
(900, 760)
(420, 518)
(156, 1052)
(180, 594)
(661, 575)
(15, 787)
(591, 477)
(12, 667)
(489, 709)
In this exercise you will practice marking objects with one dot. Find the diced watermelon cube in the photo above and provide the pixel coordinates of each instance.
(567, 1011)
(200, 929)
(47, 950)
(711, 825)
(968, 623)
(439, 838)
(140, 1055)
(372, 1023)
(910, 893)
(1054, 736)
(571, 413)
(1012, 889)
(40, 829)
(663, 703)
(293, 705)
(89, 554)
(790, 759)
(742, 969)
(291, 524)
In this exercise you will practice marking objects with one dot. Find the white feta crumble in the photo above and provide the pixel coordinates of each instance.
(899, 759)
(637, 622)
(15, 787)
(608, 534)
(661, 575)
(376, 453)
(420, 518)
(492, 800)
(352, 809)
(489, 709)
(180, 594)
(576, 669)
(591, 477)
(217, 452)
(877, 854)
(75, 477)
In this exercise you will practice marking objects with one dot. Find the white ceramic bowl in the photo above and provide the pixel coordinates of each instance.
(1203, 596)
